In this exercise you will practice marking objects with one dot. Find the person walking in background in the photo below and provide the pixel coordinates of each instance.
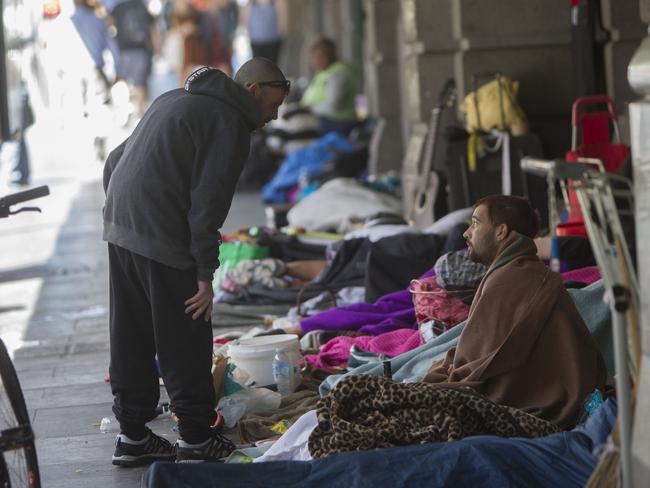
(138, 39)
(19, 110)
(332, 92)
(228, 18)
(169, 187)
(21, 173)
(186, 25)
(93, 32)
(217, 37)
(95, 35)
(266, 23)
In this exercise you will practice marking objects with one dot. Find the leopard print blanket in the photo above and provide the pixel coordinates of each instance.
(368, 412)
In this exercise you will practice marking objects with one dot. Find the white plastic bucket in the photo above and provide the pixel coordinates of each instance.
(255, 355)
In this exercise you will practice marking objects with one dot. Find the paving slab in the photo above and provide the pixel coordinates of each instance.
(84, 474)
(68, 396)
(79, 361)
(82, 419)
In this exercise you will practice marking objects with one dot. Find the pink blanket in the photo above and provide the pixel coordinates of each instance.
(587, 275)
(337, 351)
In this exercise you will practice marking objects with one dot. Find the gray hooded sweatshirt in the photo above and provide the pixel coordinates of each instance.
(169, 186)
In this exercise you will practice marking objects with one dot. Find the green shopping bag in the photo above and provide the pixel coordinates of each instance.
(231, 253)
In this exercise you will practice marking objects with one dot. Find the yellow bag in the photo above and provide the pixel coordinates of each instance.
(494, 105)
(219, 364)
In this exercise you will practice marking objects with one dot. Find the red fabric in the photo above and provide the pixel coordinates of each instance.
(595, 128)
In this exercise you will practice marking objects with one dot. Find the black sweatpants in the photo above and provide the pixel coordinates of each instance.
(147, 317)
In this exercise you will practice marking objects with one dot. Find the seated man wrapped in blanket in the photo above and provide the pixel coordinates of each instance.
(523, 366)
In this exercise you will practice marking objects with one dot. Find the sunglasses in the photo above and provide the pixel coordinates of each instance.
(286, 84)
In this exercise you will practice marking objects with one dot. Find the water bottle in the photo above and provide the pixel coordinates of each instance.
(282, 372)
(303, 179)
(554, 261)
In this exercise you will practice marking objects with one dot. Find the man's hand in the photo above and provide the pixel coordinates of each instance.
(200, 305)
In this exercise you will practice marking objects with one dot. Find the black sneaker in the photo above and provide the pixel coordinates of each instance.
(215, 449)
(134, 453)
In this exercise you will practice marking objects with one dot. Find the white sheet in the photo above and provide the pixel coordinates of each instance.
(292, 446)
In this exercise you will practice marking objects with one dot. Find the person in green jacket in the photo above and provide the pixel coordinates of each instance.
(332, 92)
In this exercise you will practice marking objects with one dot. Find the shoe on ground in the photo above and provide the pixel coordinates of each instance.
(152, 448)
(215, 449)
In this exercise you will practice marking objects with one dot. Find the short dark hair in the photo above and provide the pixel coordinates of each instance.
(514, 211)
(326, 46)
(258, 69)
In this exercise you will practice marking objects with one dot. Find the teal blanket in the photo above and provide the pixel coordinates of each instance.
(413, 365)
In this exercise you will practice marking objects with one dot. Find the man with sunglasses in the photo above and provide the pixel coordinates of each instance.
(169, 187)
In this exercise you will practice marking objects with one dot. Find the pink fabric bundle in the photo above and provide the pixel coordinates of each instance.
(433, 302)
(587, 275)
(337, 351)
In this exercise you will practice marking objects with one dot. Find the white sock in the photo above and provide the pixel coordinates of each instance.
(182, 443)
(128, 440)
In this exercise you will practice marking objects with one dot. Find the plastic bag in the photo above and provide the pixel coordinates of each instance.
(248, 400)
(230, 384)
(262, 400)
(232, 408)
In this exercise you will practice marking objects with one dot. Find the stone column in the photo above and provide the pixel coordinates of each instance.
(382, 82)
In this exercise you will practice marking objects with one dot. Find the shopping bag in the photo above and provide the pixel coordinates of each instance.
(231, 253)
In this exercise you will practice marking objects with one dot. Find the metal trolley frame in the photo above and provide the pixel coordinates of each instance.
(593, 188)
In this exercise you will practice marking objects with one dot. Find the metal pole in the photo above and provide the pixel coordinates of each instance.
(619, 332)
(619, 298)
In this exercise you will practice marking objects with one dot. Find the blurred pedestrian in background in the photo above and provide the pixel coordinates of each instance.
(217, 35)
(95, 35)
(228, 22)
(19, 36)
(95, 86)
(138, 38)
(266, 23)
(186, 25)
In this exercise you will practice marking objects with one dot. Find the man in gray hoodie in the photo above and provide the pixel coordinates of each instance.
(169, 187)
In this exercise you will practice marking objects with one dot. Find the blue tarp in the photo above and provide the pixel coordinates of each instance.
(310, 159)
(560, 460)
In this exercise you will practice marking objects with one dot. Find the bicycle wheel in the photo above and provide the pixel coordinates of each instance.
(19, 463)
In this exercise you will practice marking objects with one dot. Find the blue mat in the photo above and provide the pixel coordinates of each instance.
(559, 460)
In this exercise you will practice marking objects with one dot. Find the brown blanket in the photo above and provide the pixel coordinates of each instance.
(525, 344)
(368, 412)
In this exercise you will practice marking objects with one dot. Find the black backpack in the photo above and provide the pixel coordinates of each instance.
(133, 23)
